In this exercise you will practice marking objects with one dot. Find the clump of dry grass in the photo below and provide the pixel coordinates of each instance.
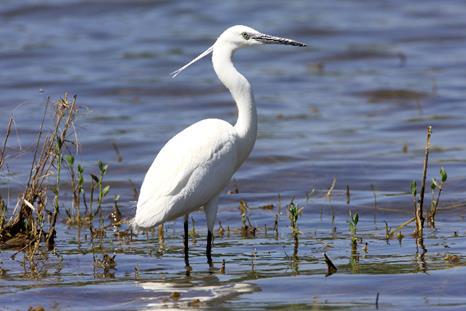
(33, 222)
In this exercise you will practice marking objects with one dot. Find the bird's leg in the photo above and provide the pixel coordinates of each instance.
(211, 214)
(186, 248)
(209, 248)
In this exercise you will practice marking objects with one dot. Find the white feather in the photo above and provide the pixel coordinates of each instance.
(191, 168)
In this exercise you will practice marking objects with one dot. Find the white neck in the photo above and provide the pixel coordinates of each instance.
(240, 89)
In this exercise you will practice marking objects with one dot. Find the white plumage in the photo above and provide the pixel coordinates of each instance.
(193, 167)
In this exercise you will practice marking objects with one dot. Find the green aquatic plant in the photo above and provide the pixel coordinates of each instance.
(103, 190)
(293, 215)
(76, 174)
(353, 226)
(436, 186)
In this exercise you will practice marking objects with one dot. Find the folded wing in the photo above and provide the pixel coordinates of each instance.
(191, 168)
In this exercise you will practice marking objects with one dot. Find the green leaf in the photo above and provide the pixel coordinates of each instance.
(80, 169)
(433, 184)
(116, 198)
(69, 159)
(105, 190)
(443, 174)
(102, 167)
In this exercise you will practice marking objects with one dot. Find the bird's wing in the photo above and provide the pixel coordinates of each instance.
(192, 167)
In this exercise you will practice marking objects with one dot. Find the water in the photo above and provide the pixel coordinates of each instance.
(354, 105)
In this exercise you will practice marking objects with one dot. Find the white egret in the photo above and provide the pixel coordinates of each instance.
(194, 166)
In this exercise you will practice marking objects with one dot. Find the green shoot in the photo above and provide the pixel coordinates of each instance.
(293, 214)
(436, 186)
(353, 226)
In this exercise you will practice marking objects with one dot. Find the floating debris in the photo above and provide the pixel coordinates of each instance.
(331, 268)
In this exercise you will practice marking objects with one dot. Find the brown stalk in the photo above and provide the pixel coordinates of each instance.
(7, 134)
(419, 208)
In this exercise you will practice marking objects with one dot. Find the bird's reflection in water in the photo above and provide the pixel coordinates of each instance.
(193, 291)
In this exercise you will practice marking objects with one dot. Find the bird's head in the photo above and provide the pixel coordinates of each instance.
(240, 36)
(243, 36)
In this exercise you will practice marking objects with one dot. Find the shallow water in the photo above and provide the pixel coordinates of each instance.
(353, 105)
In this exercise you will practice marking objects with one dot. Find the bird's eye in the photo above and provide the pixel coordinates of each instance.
(245, 35)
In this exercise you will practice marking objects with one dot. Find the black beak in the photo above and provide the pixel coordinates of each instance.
(266, 39)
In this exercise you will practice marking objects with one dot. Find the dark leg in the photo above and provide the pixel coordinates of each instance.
(186, 249)
(209, 248)
(211, 213)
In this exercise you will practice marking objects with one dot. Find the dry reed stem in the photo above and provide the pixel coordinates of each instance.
(7, 134)
(400, 227)
(332, 187)
(419, 208)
